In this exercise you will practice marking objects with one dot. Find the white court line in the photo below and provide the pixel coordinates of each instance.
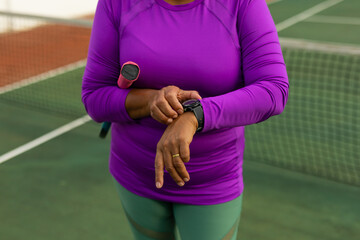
(41, 77)
(47, 137)
(306, 14)
(275, 1)
(55, 133)
(333, 20)
(320, 46)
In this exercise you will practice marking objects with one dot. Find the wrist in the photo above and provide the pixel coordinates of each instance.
(150, 95)
(192, 118)
(194, 106)
(137, 102)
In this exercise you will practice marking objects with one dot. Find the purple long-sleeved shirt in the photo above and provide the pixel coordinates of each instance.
(227, 50)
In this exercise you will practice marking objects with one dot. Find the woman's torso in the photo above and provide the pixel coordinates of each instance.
(194, 48)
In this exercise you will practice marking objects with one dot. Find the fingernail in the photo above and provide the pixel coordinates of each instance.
(180, 111)
(170, 120)
(181, 184)
(175, 116)
(186, 179)
(158, 185)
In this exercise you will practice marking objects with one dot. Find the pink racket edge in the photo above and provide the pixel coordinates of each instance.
(124, 83)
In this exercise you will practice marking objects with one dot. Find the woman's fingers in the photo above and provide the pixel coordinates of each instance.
(179, 165)
(184, 151)
(175, 98)
(173, 149)
(174, 102)
(159, 116)
(186, 95)
(166, 105)
(166, 108)
(173, 165)
(160, 109)
(159, 169)
(171, 96)
(175, 168)
(171, 169)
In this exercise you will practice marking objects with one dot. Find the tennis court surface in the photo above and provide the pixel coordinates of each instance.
(303, 184)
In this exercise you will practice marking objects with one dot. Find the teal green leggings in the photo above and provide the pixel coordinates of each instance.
(151, 219)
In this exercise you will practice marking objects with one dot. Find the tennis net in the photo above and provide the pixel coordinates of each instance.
(47, 55)
(318, 133)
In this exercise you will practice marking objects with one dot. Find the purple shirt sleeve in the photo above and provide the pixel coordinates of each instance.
(266, 83)
(103, 100)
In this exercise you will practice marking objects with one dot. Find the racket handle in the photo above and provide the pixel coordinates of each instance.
(129, 73)
(104, 129)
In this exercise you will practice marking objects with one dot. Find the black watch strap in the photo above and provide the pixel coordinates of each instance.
(197, 109)
(199, 114)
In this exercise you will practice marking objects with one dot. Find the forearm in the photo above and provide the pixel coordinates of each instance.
(137, 102)
(246, 106)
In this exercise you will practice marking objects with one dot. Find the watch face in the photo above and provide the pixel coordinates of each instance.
(190, 102)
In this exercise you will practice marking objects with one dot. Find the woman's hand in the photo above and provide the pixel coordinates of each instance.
(175, 140)
(165, 104)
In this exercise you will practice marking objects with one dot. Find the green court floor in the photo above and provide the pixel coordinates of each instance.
(62, 190)
(325, 31)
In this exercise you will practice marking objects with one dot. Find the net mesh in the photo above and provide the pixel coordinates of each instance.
(49, 53)
(318, 132)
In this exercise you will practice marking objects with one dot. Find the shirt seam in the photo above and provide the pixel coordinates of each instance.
(133, 17)
(242, 19)
(223, 24)
(225, 8)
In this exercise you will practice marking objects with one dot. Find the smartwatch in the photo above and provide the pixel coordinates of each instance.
(194, 106)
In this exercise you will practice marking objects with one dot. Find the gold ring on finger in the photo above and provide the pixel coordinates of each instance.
(176, 155)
